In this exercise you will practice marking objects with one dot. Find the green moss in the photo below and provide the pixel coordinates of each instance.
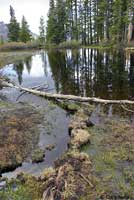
(38, 155)
(69, 106)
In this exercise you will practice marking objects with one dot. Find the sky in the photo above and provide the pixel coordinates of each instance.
(31, 9)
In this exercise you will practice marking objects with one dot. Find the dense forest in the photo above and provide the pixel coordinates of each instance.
(90, 21)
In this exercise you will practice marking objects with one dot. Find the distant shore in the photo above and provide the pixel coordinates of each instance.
(12, 46)
(15, 46)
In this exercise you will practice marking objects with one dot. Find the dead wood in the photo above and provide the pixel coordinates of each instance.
(85, 179)
(66, 97)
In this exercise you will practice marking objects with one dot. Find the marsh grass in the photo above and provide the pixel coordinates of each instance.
(18, 46)
(111, 152)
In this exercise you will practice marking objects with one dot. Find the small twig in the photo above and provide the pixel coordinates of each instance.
(20, 95)
(82, 176)
(126, 109)
(47, 90)
(35, 87)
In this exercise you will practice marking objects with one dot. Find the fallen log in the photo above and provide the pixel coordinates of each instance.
(66, 97)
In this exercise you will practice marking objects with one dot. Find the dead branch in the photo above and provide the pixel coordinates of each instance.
(38, 87)
(66, 97)
(126, 109)
(86, 180)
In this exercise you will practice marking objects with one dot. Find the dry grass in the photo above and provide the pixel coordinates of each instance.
(18, 46)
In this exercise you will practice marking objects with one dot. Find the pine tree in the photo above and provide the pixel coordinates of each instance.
(13, 27)
(25, 34)
(51, 23)
(60, 21)
(42, 30)
(119, 20)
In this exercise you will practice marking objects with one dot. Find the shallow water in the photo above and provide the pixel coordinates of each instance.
(54, 128)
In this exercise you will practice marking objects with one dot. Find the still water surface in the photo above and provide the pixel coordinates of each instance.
(85, 72)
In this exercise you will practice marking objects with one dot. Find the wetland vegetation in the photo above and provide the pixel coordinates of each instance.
(68, 149)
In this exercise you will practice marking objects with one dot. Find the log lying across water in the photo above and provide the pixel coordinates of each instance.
(66, 97)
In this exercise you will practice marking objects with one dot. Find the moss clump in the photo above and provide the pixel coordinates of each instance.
(79, 137)
(38, 156)
(70, 106)
(78, 129)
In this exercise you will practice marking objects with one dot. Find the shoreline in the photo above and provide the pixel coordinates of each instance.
(16, 46)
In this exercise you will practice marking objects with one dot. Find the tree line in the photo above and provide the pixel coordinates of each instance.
(21, 32)
(18, 32)
(90, 21)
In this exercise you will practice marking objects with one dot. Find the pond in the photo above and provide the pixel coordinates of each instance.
(84, 72)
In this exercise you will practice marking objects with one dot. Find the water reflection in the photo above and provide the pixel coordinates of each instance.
(19, 67)
(90, 72)
(86, 72)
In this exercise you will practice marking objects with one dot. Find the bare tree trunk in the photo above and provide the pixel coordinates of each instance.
(130, 32)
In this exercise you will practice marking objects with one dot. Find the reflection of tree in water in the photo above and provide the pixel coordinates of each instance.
(58, 67)
(131, 76)
(102, 74)
(44, 62)
(89, 72)
(19, 67)
(119, 76)
(28, 63)
(65, 67)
